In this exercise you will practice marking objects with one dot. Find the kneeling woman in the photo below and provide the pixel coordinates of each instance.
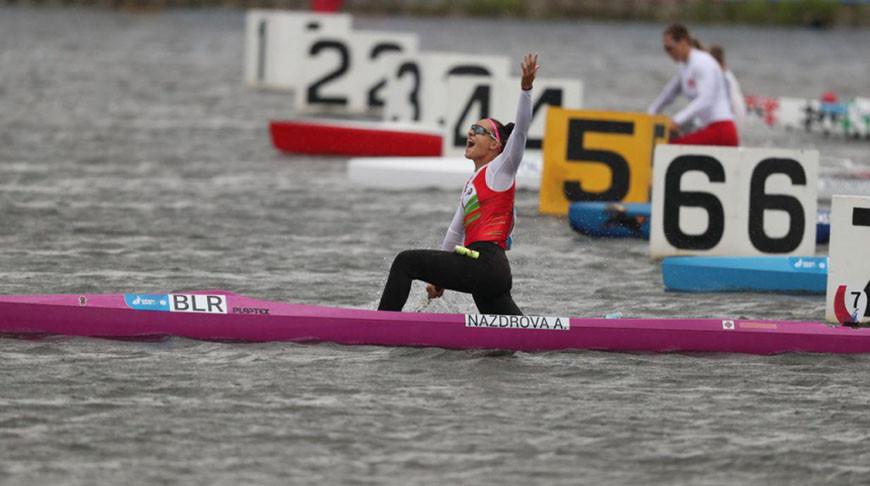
(483, 220)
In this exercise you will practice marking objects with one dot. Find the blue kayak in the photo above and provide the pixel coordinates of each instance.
(610, 219)
(631, 220)
(788, 274)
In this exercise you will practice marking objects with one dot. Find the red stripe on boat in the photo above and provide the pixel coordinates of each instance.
(305, 137)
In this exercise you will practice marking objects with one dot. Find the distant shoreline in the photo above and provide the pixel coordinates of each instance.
(805, 13)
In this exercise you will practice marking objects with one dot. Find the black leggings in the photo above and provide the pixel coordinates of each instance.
(487, 278)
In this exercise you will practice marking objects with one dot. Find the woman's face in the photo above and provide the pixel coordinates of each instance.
(678, 50)
(481, 140)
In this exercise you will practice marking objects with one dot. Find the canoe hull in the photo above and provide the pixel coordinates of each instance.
(108, 316)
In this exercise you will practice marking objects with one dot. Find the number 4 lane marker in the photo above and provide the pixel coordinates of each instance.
(860, 216)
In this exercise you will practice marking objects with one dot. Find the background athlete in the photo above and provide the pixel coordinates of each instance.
(700, 79)
(483, 221)
(735, 93)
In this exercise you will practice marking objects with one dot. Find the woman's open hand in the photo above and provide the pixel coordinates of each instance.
(529, 68)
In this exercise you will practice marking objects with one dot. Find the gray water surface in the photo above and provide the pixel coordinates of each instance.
(132, 159)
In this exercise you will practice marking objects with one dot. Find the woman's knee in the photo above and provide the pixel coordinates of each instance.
(402, 258)
(406, 261)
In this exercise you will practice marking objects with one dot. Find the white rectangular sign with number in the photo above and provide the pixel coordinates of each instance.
(849, 270)
(273, 47)
(469, 99)
(733, 201)
(472, 98)
(347, 73)
(417, 91)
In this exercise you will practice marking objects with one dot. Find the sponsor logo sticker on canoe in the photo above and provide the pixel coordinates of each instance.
(199, 303)
(251, 311)
(758, 325)
(728, 325)
(518, 322)
(149, 302)
(809, 263)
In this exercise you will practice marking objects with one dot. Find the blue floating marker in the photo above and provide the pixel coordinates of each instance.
(786, 274)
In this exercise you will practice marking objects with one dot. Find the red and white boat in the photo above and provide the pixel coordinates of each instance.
(354, 138)
(225, 316)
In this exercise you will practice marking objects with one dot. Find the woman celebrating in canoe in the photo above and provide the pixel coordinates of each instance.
(472, 257)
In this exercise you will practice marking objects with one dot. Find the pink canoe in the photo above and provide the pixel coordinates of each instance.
(224, 316)
(354, 138)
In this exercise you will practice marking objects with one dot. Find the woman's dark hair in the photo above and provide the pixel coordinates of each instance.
(718, 54)
(677, 32)
(504, 131)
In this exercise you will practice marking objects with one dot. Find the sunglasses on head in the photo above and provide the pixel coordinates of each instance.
(480, 130)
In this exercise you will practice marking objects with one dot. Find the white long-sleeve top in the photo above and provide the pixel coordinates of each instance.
(738, 101)
(501, 171)
(701, 80)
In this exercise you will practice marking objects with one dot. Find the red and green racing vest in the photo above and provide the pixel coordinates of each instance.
(488, 215)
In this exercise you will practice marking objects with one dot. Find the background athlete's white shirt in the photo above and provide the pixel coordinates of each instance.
(738, 101)
(702, 81)
(502, 170)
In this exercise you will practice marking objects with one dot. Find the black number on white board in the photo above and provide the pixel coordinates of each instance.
(759, 201)
(676, 198)
(577, 152)
(412, 69)
(860, 216)
(867, 293)
(465, 70)
(468, 70)
(549, 97)
(314, 95)
(374, 98)
(480, 97)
